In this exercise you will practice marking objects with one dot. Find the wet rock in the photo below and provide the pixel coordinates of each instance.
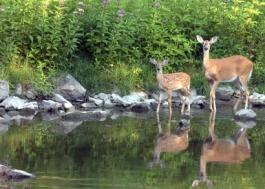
(87, 115)
(245, 114)
(67, 126)
(185, 116)
(15, 174)
(140, 108)
(246, 123)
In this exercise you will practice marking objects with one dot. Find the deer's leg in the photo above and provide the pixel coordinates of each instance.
(187, 91)
(212, 95)
(240, 87)
(245, 85)
(169, 93)
(183, 101)
(159, 101)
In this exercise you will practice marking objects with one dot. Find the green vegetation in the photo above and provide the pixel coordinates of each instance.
(106, 45)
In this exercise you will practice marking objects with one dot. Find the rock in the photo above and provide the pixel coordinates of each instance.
(68, 106)
(88, 105)
(132, 98)
(102, 96)
(97, 102)
(246, 124)
(65, 103)
(59, 98)
(257, 99)
(71, 89)
(67, 126)
(109, 104)
(2, 111)
(29, 108)
(224, 93)
(49, 105)
(114, 98)
(245, 114)
(140, 108)
(14, 174)
(4, 88)
(13, 103)
(185, 116)
(29, 95)
(88, 115)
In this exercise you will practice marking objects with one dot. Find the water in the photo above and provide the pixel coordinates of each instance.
(117, 153)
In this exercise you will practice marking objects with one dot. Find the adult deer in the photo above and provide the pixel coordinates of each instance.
(176, 81)
(233, 150)
(168, 142)
(237, 69)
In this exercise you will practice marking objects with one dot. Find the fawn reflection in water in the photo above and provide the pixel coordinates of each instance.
(231, 150)
(170, 142)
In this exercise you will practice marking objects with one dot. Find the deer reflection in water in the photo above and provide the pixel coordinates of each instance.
(168, 142)
(233, 150)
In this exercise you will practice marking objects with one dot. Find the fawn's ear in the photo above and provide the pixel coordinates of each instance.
(195, 183)
(199, 38)
(214, 39)
(153, 61)
(165, 61)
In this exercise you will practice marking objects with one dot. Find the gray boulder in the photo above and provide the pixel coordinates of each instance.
(245, 114)
(71, 89)
(224, 93)
(13, 103)
(49, 105)
(257, 99)
(114, 98)
(66, 104)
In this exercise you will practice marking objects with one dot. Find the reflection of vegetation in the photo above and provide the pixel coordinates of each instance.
(116, 152)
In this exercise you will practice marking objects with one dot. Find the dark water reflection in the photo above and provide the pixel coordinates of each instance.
(117, 153)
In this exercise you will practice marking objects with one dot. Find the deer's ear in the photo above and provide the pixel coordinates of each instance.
(214, 39)
(165, 61)
(195, 183)
(153, 61)
(199, 38)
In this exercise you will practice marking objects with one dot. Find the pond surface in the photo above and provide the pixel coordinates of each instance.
(121, 153)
